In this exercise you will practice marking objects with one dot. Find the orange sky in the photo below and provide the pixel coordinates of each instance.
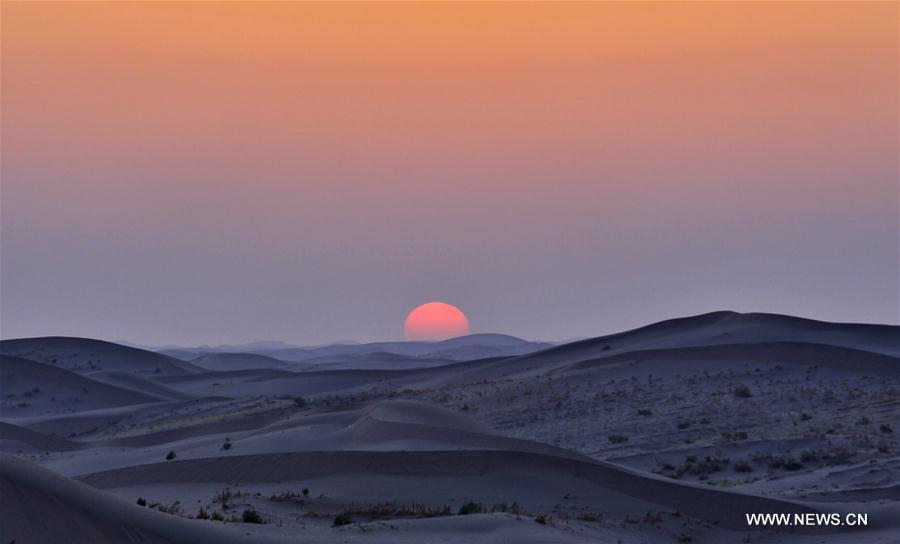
(384, 130)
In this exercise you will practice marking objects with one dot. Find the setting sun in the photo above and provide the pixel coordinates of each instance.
(435, 321)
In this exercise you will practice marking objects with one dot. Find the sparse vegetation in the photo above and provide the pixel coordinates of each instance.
(170, 456)
(503, 508)
(389, 509)
(174, 508)
(223, 497)
(300, 402)
(886, 429)
(471, 508)
(341, 519)
(742, 392)
(617, 438)
(251, 516)
(142, 501)
(590, 516)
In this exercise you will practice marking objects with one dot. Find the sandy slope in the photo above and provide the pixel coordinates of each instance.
(793, 353)
(239, 361)
(139, 383)
(87, 355)
(31, 388)
(610, 485)
(37, 505)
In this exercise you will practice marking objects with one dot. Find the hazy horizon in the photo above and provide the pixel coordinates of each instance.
(311, 172)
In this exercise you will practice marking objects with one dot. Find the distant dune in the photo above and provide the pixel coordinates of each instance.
(239, 361)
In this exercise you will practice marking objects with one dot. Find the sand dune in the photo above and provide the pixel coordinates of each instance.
(463, 348)
(240, 361)
(793, 353)
(88, 355)
(139, 383)
(550, 432)
(722, 507)
(718, 329)
(14, 438)
(37, 505)
(29, 387)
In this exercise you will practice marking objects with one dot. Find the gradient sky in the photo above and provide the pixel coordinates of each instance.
(224, 172)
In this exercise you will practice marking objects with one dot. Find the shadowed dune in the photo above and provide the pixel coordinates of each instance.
(442, 467)
(88, 355)
(14, 438)
(139, 383)
(241, 361)
(40, 388)
(37, 505)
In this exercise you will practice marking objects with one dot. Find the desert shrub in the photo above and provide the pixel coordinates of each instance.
(543, 519)
(682, 425)
(805, 417)
(863, 420)
(385, 510)
(710, 464)
(842, 456)
(223, 497)
(251, 516)
(617, 438)
(142, 501)
(170, 456)
(742, 392)
(743, 466)
(778, 461)
(174, 508)
(471, 508)
(306, 492)
(299, 402)
(886, 429)
(808, 456)
(217, 516)
(341, 519)
(590, 516)
(202, 514)
(645, 412)
(226, 445)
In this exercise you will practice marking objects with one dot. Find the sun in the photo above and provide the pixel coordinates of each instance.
(435, 321)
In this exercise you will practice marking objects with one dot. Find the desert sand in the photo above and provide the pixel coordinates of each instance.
(668, 433)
